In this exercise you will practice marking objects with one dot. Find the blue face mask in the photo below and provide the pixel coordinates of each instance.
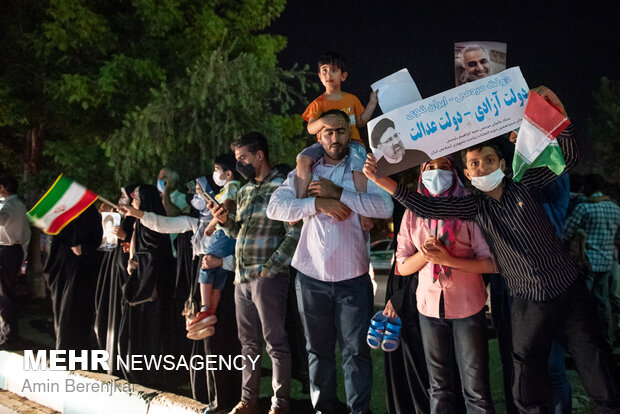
(161, 184)
(437, 181)
(198, 203)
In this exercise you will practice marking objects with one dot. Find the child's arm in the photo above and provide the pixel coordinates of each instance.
(315, 126)
(362, 120)
(438, 254)
(211, 227)
(370, 169)
(411, 264)
(464, 208)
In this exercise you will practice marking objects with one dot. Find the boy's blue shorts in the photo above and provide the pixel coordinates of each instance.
(357, 154)
(216, 277)
(220, 245)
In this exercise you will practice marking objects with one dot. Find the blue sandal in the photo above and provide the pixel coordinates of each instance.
(391, 337)
(376, 330)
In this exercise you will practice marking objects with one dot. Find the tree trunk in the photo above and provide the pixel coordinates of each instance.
(32, 166)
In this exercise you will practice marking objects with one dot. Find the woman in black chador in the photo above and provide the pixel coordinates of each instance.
(112, 276)
(71, 272)
(145, 324)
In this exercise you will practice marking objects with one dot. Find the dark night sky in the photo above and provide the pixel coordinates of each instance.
(566, 46)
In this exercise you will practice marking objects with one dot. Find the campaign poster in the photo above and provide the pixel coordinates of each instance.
(448, 121)
(477, 60)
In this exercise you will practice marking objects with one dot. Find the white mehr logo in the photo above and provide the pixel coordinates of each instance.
(60, 360)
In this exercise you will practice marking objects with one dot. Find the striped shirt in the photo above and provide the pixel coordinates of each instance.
(330, 250)
(530, 256)
(601, 221)
(262, 244)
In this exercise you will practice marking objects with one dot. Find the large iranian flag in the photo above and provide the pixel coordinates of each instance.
(536, 142)
(62, 203)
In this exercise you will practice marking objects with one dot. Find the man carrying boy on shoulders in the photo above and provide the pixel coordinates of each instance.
(333, 287)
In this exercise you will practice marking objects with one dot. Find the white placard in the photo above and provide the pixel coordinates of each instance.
(448, 122)
(396, 90)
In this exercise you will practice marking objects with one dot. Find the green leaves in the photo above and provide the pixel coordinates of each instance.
(124, 87)
(222, 97)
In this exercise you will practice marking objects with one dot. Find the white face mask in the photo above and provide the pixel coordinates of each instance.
(488, 182)
(217, 178)
(198, 203)
(437, 181)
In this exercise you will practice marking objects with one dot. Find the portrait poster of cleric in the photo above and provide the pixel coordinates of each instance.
(109, 221)
(448, 121)
(477, 60)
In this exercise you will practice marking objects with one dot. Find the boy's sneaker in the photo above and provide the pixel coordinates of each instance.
(201, 315)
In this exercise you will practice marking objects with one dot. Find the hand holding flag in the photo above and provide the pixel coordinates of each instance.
(544, 119)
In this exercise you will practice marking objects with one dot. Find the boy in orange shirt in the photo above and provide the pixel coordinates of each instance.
(332, 72)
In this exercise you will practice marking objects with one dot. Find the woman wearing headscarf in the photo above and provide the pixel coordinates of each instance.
(450, 257)
(112, 275)
(219, 389)
(147, 293)
(71, 272)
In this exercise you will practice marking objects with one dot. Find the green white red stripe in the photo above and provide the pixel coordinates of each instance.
(62, 203)
(536, 144)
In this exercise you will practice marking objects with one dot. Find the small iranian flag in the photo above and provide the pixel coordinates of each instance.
(536, 144)
(60, 205)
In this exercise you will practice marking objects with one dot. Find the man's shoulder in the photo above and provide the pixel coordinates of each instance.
(274, 179)
(14, 203)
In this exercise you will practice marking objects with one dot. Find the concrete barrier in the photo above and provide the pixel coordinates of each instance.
(79, 392)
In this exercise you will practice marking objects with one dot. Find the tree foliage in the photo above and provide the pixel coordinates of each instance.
(604, 130)
(122, 87)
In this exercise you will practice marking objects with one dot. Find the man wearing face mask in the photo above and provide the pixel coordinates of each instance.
(263, 253)
(550, 300)
(173, 200)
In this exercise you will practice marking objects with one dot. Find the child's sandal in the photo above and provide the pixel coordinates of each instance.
(376, 330)
(391, 337)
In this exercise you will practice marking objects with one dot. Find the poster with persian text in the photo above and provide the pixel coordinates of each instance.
(448, 121)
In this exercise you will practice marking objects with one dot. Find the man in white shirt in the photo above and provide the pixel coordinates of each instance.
(14, 238)
(333, 287)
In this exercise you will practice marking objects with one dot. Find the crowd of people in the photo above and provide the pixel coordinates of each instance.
(282, 261)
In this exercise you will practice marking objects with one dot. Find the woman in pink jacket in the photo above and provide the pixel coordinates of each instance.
(450, 257)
